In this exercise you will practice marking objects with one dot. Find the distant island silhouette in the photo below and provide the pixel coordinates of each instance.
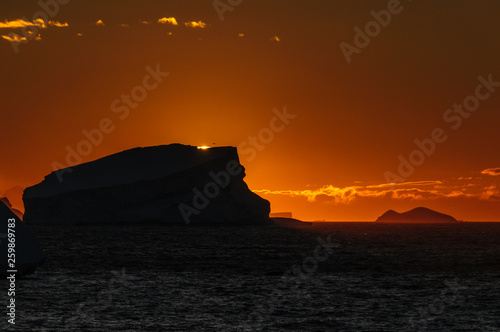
(415, 216)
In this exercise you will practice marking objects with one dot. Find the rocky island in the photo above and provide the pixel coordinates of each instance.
(420, 215)
(169, 184)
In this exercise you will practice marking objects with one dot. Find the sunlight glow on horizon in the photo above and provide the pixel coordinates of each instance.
(356, 122)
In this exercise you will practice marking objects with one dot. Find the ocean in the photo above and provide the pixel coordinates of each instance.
(319, 277)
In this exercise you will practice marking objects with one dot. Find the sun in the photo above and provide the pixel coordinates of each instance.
(203, 147)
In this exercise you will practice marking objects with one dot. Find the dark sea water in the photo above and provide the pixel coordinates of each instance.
(364, 277)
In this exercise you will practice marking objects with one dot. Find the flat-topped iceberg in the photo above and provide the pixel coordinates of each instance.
(171, 184)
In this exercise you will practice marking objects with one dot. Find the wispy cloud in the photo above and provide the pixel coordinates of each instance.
(340, 195)
(492, 171)
(415, 190)
(193, 24)
(58, 24)
(168, 20)
(403, 184)
(14, 38)
(39, 23)
(20, 23)
(490, 193)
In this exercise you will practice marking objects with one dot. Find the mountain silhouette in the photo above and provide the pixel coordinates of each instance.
(417, 215)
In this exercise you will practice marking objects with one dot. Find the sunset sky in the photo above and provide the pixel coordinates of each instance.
(325, 99)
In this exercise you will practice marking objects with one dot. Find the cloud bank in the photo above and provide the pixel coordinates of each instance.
(462, 187)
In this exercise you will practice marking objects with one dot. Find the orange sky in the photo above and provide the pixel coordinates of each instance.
(351, 113)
